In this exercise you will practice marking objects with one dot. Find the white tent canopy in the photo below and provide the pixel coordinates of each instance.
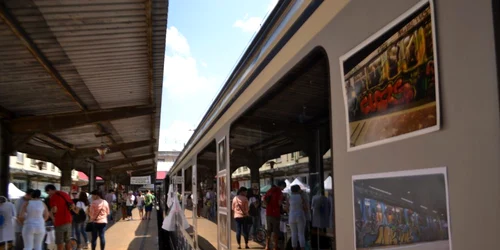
(328, 183)
(302, 186)
(14, 192)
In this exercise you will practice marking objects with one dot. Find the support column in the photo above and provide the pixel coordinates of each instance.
(66, 179)
(315, 160)
(5, 150)
(66, 166)
(255, 175)
(91, 177)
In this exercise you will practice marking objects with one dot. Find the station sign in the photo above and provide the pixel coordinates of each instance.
(178, 179)
(140, 180)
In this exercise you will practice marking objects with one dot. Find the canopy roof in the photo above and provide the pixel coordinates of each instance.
(80, 74)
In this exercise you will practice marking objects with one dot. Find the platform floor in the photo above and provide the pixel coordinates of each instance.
(133, 235)
(207, 234)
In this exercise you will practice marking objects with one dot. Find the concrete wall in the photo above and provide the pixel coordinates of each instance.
(468, 143)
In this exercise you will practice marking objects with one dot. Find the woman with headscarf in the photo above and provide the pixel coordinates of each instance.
(240, 208)
(34, 214)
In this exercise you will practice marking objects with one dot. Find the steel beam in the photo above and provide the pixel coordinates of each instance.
(46, 123)
(116, 163)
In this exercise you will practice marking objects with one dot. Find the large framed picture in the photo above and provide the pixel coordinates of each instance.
(222, 200)
(221, 154)
(223, 230)
(390, 81)
(405, 209)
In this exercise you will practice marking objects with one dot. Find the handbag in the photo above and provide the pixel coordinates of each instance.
(247, 220)
(90, 225)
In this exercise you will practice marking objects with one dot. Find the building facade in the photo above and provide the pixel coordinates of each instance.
(30, 173)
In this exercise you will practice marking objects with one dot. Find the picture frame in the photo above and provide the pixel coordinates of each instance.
(390, 81)
(402, 208)
(221, 154)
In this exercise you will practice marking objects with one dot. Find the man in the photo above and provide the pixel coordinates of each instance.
(60, 205)
(19, 226)
(148, 202)
(273, 200)
(111, 199)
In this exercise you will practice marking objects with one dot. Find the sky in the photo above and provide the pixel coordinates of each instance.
(205, 40)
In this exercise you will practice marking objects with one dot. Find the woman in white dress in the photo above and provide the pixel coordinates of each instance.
(297, 207)
(7, 213)
(34, 214)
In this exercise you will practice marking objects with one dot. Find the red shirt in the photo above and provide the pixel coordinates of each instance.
(63, 215)
(273, 207)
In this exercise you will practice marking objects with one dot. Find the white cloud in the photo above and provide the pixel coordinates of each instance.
(176, 134)
(187, 92)
(253, 24)
(271, 5)
(248, 24)
(204, 64)
(181, 76)
(176, 42)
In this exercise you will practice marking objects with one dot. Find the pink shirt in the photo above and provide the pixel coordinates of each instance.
(99, 210)
(240, 206)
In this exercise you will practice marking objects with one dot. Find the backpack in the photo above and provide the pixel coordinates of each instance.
(80, 216)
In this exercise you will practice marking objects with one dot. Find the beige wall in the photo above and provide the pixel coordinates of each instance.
(468, 143)
(26, 164)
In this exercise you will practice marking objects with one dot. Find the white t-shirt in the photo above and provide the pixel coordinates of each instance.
(130, 200)
(140, 200)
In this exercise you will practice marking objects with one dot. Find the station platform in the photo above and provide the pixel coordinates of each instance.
(133, 235)
(207, 234)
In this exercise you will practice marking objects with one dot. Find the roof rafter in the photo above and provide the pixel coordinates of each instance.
(46, 123)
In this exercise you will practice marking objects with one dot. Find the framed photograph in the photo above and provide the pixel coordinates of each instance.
(407, 209)
(221, 154)
(222, 190)
(390, 81)
(223, 230)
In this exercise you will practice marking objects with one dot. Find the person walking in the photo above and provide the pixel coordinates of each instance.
(78, 228)
(19, 225)
(240, 208)
(130, 200)
(273, 200)
(98, 215)
(34, 214)
(254, 211)
(297, 208)
(140, 205)
(7, 213)
(148, 203)
(111, 199)
(60, 206)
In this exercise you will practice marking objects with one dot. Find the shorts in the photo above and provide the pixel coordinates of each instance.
(149, 208)
(273, 225)
(63, 233)
(140, 207)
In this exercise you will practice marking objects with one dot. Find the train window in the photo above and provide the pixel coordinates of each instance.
(285, 138)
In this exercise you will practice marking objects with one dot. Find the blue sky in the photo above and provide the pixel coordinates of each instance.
(204, 41)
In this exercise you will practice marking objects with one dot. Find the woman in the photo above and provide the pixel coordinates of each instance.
(130, 204)
(241, 216)
(82, 202)
(7, 212)
(34, 214)
(98, 214)
(254, 211)
(297, 208)
(140, 205)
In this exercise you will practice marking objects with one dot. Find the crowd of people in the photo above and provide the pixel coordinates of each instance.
(246, 207)
(63, 221)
